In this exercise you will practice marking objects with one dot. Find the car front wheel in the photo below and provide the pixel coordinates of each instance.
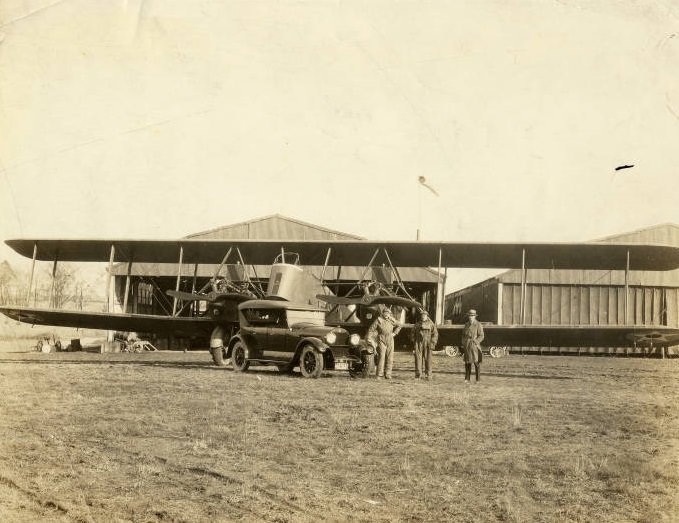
(239, 357)
(310, 362)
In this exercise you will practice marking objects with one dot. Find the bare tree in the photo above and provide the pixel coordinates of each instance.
(63, 284)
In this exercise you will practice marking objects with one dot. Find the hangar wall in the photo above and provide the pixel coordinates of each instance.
(570, 297)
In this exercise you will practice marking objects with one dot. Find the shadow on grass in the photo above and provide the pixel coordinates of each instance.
(208, 365)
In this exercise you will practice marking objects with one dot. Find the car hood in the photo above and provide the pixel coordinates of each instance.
(308, 329)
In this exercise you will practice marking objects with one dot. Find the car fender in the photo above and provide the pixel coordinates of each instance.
(322, 347)
(244, 339)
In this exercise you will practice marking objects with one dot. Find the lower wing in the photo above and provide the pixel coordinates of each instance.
(567, 335)
(176, 325)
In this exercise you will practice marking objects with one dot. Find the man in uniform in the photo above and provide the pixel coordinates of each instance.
(382, 331)
(424, 337)
(472, 336)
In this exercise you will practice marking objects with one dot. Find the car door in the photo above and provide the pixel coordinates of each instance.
(276, 337)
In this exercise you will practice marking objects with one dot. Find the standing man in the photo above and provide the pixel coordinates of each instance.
(424, 336)
(383, 330)
(472, 336)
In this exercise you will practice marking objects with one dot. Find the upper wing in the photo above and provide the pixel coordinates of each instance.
(566, 335)
(178, 326)
(361, 253)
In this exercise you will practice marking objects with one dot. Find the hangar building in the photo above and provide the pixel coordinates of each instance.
(578, 297)
(148, 282)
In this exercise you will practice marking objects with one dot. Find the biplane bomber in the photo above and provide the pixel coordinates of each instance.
(227, 303)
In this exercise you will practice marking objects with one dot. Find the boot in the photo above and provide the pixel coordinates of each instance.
(467, 372)
(477, 369)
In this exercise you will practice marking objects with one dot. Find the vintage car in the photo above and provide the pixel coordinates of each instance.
(287, 335)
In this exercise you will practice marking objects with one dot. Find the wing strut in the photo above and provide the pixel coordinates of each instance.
(219, 269)
(522, 313)
(193, 288)
(325, 266)
(439, 289)
(127, 285)
(30, 279)
(247, 276)
(179, 277)
(52, 301)
(398, 276)
(108, 278)
(365, 272)
(627, 287)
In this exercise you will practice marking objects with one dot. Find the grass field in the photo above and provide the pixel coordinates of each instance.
(168, 437)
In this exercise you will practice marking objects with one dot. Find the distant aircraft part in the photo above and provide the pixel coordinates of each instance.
(498, 352)
(451, 350)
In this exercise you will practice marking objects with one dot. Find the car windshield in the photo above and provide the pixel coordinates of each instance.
(313, 317)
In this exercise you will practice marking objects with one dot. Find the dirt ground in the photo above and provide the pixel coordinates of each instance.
(168, 437)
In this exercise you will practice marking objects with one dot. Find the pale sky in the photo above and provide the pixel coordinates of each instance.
(149, 119)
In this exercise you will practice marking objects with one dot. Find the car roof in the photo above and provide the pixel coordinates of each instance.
(277, 304)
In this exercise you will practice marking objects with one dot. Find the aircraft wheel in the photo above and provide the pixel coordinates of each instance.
(239, 357)
(452, 351)
(494, 352)
(219, 356)
(310, 362)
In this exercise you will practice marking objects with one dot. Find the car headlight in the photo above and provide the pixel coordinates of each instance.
(354, 339)
(330, 338)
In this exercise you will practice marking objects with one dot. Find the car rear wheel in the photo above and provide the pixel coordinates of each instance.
(239, 357)
(310, 362)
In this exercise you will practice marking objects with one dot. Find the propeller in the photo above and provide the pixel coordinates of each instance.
(368, 301)
(210, 297)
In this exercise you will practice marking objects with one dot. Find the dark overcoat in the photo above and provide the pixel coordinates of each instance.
(472, 336)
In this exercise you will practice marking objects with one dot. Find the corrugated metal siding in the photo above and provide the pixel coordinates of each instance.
(482, 298)
(586, 305)
(665, 234)
(579, 277)
(276, 226)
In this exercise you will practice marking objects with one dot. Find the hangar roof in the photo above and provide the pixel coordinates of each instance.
(274, 226)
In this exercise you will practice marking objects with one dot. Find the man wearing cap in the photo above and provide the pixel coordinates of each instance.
(382, 331)
(472, 336)
(424, 337)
